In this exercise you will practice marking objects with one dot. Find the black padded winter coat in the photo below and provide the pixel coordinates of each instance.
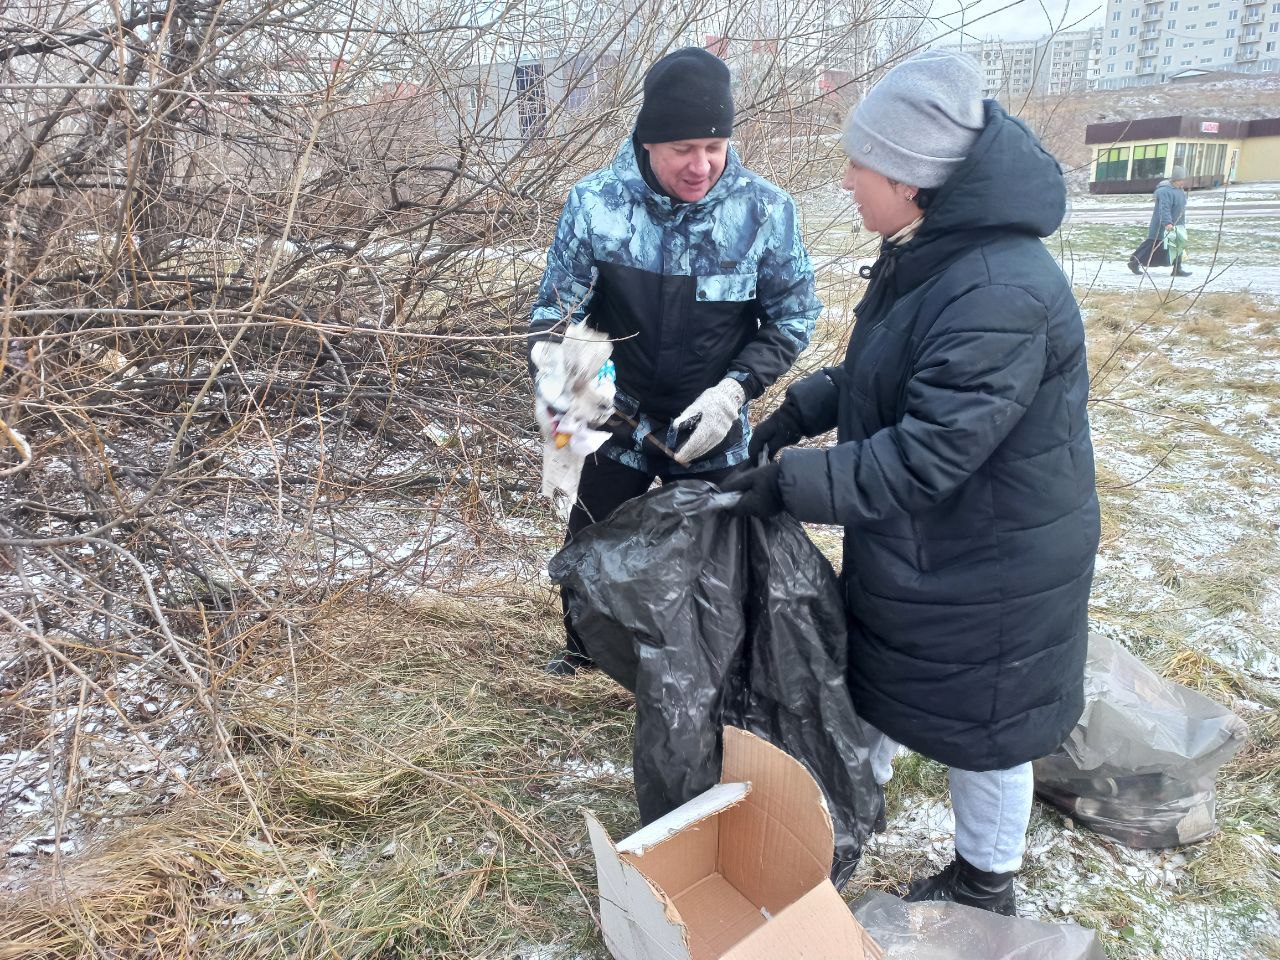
(963, 472)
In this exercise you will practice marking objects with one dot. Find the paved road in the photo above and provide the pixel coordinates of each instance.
(1086, 211)
(1224, 277)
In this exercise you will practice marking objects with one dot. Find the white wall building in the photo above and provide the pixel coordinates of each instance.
(1009, 67)
(1074, 61)
(1060, 63)
(1146, 41)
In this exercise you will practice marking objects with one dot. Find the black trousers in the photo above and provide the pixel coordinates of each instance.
(606, 485)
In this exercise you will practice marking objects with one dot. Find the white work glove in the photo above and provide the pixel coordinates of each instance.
(715, 411)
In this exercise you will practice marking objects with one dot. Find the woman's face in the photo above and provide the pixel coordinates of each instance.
(886, 207)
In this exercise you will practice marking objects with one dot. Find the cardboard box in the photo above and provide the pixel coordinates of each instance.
(740, 872)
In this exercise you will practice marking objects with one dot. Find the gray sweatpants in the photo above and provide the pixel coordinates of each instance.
(992, 808)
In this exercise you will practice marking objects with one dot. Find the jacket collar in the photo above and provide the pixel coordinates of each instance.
(626, 167)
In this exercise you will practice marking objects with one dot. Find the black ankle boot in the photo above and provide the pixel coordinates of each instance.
(882, 818)
(962, 882)
(566, 663)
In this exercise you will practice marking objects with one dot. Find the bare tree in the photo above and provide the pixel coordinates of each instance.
(264, 277)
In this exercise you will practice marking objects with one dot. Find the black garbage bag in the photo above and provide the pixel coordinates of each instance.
(1142, 762)
(712, 619)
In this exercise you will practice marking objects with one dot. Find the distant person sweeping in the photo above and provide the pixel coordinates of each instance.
(1167, 233)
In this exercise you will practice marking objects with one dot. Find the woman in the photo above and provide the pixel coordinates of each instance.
(1169, 213)
(963, 468)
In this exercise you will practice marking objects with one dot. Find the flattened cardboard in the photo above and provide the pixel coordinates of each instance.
(636, 919)
(739, 872)
(707, 804)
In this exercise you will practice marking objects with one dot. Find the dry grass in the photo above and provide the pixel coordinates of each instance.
(147, 892)
(1116, 499)
(1202, 673)
(1174, 377)
(1243, 859)
(410, 774)
(1237, 590)
(1128, 328)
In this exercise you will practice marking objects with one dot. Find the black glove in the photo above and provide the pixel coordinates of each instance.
(780, 429)
(761, 496)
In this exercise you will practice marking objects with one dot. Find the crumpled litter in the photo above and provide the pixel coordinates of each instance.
(574, 383)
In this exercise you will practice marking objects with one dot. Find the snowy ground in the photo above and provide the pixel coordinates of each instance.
(70, 776)
(1095, 274)
(1233, 241)
(1233, 245)
(1189, 572)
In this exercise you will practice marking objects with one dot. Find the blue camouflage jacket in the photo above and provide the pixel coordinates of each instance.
(689, 292)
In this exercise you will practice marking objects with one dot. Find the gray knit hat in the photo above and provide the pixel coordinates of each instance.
(1179, 173)
(920, 120)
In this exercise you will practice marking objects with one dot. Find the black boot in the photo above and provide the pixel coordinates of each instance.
(962, 882)
(882, 818)
(566, 663)
(1134, 266)
(1177, 269)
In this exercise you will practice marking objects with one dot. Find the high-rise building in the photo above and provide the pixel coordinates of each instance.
(1009, 67)
(1074, 61)
(1149, 41)
(1059, 63)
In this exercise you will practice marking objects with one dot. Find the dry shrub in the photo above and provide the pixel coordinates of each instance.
(265, 271)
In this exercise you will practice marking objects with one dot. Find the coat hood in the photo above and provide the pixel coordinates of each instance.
(1007, 184)
(1008, 181)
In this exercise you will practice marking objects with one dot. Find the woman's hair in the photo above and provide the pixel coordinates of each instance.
(924, 195)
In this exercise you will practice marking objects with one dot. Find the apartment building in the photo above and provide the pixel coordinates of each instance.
(1060, 63)
(1147, 41)
(1073, 63)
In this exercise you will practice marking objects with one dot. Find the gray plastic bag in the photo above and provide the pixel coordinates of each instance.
(1141, 764)
(938, 930)
(712, 619)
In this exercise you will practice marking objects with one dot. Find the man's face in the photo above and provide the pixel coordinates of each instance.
(688, 169)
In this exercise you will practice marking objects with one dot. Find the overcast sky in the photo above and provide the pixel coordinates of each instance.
(1018, 19)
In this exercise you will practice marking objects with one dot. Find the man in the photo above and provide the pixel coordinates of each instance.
(694, 266)
(1168, 217)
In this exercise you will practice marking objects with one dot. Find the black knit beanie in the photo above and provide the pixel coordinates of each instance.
(686, 97)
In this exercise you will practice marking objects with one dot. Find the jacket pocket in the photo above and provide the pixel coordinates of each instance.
(934, 554)
(722, 319)
(727, 288)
